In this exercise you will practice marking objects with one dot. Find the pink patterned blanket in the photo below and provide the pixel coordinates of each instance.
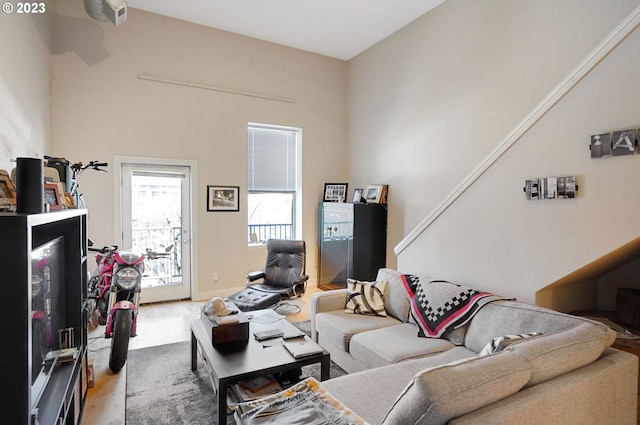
(438, 306)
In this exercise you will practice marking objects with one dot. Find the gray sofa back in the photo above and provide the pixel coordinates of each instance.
(500, 318)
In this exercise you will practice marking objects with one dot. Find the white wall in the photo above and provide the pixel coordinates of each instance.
(25, 86)
(429, 102)
(101, 110)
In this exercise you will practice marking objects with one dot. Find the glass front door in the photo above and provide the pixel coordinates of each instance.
(156, 216)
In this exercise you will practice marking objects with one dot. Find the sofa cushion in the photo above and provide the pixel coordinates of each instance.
(365, 297)
(392, 344)
(561, 352)
(510, 317)
(396, 302)
(371, 393)
(439, 394)
(338, 327)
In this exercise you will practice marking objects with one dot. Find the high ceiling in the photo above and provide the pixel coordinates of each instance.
(336, 28)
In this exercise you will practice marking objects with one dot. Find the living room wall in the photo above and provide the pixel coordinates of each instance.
(101, 109)
(428, 103)
(25, 87)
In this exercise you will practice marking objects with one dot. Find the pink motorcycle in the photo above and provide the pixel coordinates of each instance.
(115, 296)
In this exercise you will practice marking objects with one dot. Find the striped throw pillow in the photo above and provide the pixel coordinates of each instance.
(365, 297)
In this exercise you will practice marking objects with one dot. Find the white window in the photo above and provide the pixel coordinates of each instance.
(274, 188)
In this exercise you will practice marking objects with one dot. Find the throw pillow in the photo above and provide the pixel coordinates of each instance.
(501, 342)
(365, 298)
(439, 394)
(396, 302)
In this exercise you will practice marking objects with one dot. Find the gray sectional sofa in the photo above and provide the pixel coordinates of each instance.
(568, 374)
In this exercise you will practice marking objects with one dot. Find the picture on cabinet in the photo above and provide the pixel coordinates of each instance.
(335, 192)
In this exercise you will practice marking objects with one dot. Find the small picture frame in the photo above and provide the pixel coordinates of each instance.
(357, 196)
(7, 192)
(373, 193)
(335, 192)
(68, 198)
(52, 196)
(223, 198)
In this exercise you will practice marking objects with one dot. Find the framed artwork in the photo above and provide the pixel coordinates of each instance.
(600, 145)
(357, 196)
(7, 192)
(623, 142)
(53, 197)
(373, 193)
(223, 198)
(71, 203)
(335, 192)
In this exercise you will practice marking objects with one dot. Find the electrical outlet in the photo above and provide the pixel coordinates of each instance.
(215, 277)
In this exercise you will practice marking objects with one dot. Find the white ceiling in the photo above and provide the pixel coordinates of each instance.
(336, 28)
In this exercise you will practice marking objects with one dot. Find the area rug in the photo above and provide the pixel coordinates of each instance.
(162, 389)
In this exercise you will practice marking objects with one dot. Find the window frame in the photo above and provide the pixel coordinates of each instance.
(296, 204)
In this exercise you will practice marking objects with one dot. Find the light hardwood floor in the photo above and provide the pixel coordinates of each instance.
(158, 324)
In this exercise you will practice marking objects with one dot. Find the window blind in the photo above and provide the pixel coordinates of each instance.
(272, 159)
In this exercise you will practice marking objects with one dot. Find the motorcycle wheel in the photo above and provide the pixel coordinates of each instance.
(120, 339)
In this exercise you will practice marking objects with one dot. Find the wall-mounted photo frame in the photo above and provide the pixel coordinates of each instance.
(550, 188)
(600, 145)
(335, 192)
(7, 192)
(53, 197)
(223, 198)
(623, 142)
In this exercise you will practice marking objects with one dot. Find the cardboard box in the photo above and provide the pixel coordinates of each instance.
(225, 329)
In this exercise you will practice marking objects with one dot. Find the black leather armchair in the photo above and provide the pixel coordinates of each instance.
(284, 271)
(283, 275)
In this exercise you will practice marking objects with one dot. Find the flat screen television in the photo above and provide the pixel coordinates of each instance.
(47, 312)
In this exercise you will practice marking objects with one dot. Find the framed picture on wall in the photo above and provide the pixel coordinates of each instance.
(623, 142)
(335, 192)
(223, 198)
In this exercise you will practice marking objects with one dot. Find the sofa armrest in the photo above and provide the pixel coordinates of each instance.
(333, 300)
(328, 301)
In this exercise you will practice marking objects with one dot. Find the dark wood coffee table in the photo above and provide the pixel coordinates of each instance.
(229, 365)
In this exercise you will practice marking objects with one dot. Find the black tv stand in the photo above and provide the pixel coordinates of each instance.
(63, 397)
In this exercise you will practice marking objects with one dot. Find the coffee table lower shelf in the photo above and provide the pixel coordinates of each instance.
(229, 365)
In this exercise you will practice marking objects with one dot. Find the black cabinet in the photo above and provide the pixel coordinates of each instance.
(43, 263)
(352, 242)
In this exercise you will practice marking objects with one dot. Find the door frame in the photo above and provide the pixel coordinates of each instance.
(118, 161)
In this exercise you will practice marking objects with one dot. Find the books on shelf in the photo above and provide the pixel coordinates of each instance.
(258, 383)
(65, 355)
(255, 388)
